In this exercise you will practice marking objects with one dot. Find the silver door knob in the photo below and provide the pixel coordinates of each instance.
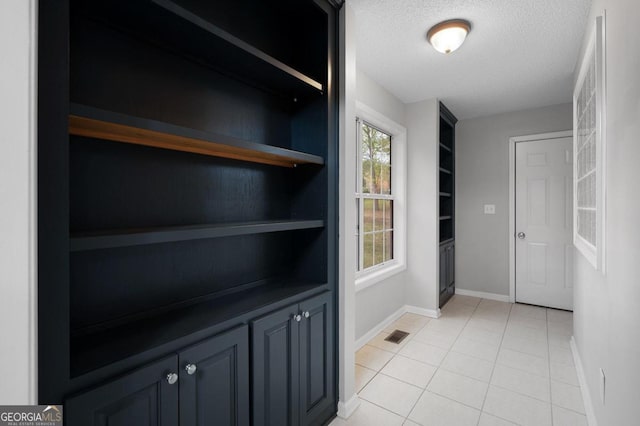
(521, 235)
(190, 369)
(297, 317)
(306, 314)
(172, 378)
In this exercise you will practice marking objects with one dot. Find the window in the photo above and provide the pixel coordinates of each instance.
(374, 197)
(588, 113)
(380, 232)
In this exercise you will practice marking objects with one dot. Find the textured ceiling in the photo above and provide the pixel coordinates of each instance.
(519, 54)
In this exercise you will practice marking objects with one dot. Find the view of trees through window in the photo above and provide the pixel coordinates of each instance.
(375, 198)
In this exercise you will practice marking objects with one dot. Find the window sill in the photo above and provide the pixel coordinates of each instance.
(369, 278)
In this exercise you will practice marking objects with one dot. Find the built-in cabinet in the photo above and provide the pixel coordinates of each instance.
(187, 173)
(447, 203)
(202, 385)
(292, 364)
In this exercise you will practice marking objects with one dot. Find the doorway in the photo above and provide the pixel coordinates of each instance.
(541, 220)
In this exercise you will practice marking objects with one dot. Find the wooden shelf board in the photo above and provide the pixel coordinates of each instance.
(445, 217)
(443, 170)
(134, 237)
(103, 347)
(94, 123)
(447, 241)
(445, 194)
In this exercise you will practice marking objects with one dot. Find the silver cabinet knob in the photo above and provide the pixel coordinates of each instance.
(191, 369)
(172, 378)
(521, 235)
(297, 317)
(306, 314)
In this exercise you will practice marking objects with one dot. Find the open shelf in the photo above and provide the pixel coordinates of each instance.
(446, 148)
(135, 237)
(194, 36)
(102, 347)
(95, 123)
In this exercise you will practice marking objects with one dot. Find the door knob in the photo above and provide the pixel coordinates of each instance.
(297, 317)
(172, 378)
(306, 314)
(521, 235)
(190, 369)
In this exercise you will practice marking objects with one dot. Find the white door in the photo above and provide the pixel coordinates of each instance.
(544, 248)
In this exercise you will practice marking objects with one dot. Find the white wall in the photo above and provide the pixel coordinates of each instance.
(347, 398)
(377, 302)
(17, 203)
(482, 177)
(378, 98)
(607, 308)
(423, 121)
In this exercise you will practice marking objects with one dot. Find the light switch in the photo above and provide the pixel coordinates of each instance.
(489, 209)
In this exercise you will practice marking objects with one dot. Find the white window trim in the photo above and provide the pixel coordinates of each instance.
(595, 46)
(398, 133)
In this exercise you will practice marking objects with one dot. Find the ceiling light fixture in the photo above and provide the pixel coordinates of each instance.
(449, 35)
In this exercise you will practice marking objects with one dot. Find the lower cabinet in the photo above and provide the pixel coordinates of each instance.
(292, 351)
(214, 381)
(142, 398)
(292, 378)
(205, 384)
(447, 268)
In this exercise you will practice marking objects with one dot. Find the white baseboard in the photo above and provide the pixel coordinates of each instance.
(483, 295)
(586, 395)
(346, 409)
(431, 313)
(381, 326)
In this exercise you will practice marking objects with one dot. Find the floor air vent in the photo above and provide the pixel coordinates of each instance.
(397, 336)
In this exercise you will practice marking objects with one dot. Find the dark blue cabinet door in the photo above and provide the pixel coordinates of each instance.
(217, 390)
(316, 360)
(142, 398)
(275, 368)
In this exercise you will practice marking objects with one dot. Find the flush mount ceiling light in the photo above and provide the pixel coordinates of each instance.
(449, 35)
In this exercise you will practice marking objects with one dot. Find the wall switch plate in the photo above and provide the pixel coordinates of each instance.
(603, 381)
(489, 209)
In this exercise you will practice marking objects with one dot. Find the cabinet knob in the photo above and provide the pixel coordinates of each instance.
(306, 314)
(191, 369)
(297, 317)
(172, 378)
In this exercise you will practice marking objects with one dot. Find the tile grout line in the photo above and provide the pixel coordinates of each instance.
(425, 386)
(443, 358)
(495, 362)
(438, 367)
(411, 335)
(546, 315)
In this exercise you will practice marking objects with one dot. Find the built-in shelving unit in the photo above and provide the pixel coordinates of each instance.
(187, 175)
(447, 203)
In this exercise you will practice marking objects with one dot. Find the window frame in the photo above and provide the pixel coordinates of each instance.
(384, 270)
(594, 52)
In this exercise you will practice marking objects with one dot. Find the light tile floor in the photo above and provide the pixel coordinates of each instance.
(482, 362)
